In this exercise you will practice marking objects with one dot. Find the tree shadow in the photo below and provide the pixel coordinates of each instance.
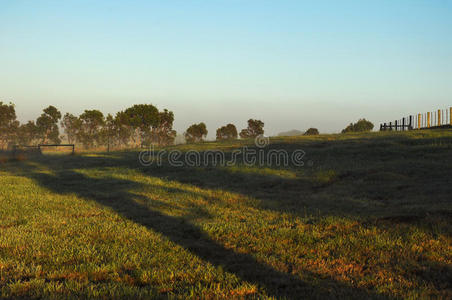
(383, 171)
(386, 171)
(405, 165)
(116, 194)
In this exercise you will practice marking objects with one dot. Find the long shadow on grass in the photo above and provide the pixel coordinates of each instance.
(359, 177)
(360, 165)
(116, 194)
(369, 176)
(404, 181)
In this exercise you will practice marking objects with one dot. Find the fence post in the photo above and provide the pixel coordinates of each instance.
(450, 116)
(439, 117)
(410, 126)
(447, 113)
(419, 121)
(428, 119)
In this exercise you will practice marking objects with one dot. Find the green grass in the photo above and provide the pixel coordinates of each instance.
(368, 217)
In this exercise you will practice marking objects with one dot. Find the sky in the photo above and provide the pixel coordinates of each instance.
(292, 64)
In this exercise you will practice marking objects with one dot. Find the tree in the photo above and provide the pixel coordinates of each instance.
(124, 129)
(361, 126)
(164, 133)
(110, 132)
(312, 131)
(91, 125)
(228, 132)
(142, 118)
(71, 125)
(196, 133)
(255, 128)
(27, 133)
(8, 124)
(47, 125)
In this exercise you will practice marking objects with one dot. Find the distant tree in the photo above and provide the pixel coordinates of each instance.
(8, 124)
(196, 133)
(349, 128)
(27, 134)
(90, 133)
(47, 125)
(125, 131)
(255, 128)
(110, 132)
(164, 133)
(142, 118)
(361, 126)
(228, 132)
(312, 131)
(244, 134)
(71, 126)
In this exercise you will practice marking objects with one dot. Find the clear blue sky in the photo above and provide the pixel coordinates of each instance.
(293, 64)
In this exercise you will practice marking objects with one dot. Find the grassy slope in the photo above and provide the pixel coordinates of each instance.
(369, 216)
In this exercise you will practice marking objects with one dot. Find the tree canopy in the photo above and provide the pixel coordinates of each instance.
(312, 131)
(91, 123)
(228, 132)
(47, 125)
(361, 126)
(196, 133)
(8, 124)
(71, 126)
(27, 133)
(254, 129)
(164, 133)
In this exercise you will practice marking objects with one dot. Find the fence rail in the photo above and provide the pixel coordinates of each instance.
(429, 120)
(40, 146)
(57, 145)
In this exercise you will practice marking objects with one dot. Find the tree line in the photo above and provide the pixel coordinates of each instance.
(138, 125)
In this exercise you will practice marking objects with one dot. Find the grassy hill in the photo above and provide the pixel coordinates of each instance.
(366, 216)
(293, 132)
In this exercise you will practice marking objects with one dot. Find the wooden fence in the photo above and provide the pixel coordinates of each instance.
(429, 120)
(58, 145)
(38, 148)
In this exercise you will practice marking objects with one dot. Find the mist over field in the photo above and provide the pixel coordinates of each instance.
(225, 149)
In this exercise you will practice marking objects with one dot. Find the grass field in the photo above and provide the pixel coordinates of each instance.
(368, 216)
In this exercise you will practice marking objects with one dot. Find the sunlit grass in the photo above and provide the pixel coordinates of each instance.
(369, 219)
